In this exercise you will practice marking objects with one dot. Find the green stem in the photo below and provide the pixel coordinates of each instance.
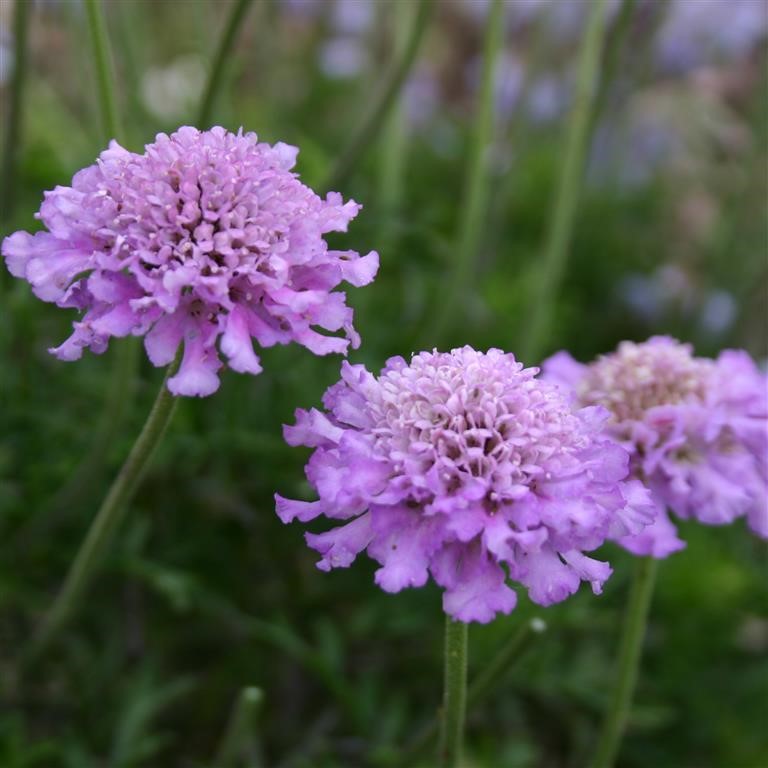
(569, 186)
(616, 45)
(14, 115)
(240, 744)
(125, 357)
(119, 396)
(537, 55)
(393, 140)
(475, 203)
(382, 101)
(488, 678)
(102, 58)
(454, 694)
(109, 517)
(216, 72)
(630, 649)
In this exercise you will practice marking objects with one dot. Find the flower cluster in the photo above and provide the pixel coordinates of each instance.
(206, 237)
(697, 430)
(461, 465)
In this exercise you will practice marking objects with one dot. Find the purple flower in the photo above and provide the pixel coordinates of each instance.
(206, 238)
(464, 466)
(697, 430)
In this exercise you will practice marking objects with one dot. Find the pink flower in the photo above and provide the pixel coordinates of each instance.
(697, 430)
(464, 467)
(207, 239)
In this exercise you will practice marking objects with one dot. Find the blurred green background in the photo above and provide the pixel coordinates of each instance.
(205, 591)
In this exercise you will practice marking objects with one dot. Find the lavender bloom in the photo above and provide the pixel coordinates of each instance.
(696, 31)
(457, 465)
(207, 237)
(697, 430)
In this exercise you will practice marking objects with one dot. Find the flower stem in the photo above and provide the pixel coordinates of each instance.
(454, 694)
(102, 59)
(382, 102)
(569, 185)
(485, 681)
(241, 741)
(475, 203)
(503, 660)
(14, 113)
(393, 140)
(239, 10)
(109, 517)
(125, 357)
(633, 632)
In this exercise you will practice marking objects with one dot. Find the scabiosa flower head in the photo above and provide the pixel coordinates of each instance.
(206, 238)
(697, 430)
(463, 465)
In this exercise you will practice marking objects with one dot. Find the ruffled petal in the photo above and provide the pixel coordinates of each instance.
(82, 338)
(236, 343)
(312, 429)
(355, 269)
(118, 321)
(659, 539)
(18, 248)
(479, 589)
(595, 572)
(340, 546)
(548, 579)
(289, 510)
(403, 544)
(197, 373)
(640, 510)
(563, 370)
(757, 518)
(162, 342)
(319, 344)
(51, 275)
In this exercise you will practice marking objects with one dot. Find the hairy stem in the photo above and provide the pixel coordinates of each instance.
(630, 650)
(485, 681)
(475, 203)
(240, 744)
(569, 186)
(108, 518)
(15, 108)
(104, 68)
(454, 694)
(125, 356)
(383, 101)
(216, 72)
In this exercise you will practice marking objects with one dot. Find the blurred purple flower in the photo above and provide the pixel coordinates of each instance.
(548, 99)
(457, 465)
(670, 291)
(353, 17)
(697, 430)
(169, 92)
(650, 297)
(696, 31)
(306, 9)
(207, 237)
(421, 98)
(343, 57)
(7, 55)
(508, 81)
(718, 312)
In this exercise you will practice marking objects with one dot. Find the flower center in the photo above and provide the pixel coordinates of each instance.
(641, 376)
(484, 417)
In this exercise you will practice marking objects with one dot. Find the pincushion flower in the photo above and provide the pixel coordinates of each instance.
(208, 238)
(696, 428)
(464, 466)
